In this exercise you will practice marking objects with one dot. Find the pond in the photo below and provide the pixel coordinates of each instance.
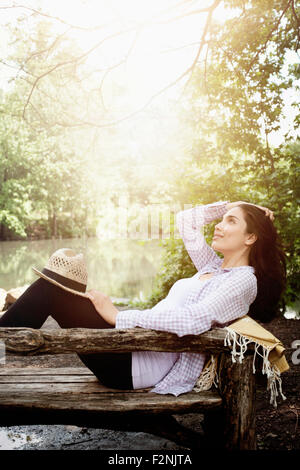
(122, 268)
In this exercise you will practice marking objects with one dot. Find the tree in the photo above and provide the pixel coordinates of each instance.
(236, 106)
(256, 25)
(18, 151)
(235, 101)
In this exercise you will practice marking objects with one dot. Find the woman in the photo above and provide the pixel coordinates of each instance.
(249, 278)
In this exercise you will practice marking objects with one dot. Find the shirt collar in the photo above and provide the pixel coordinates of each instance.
(210, 268)
(238, 267)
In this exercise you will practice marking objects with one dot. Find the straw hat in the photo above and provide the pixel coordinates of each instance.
(66, 269)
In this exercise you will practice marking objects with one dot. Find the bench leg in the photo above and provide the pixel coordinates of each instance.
(237, 387)
(169, 428)
(165, 426)
(233, 427)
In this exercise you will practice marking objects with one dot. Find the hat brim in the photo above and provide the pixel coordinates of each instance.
(39, 273)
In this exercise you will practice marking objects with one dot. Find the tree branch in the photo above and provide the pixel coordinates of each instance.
(190, 13)
(80, 58)
(137, 28)
(263, 47)
(55, 18)
(75, 60)
(48, 49)
(297, 22)
(202, 42)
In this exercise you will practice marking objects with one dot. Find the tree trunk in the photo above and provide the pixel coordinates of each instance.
(54, 225)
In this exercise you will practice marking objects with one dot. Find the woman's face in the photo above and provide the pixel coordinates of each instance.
(231, 233)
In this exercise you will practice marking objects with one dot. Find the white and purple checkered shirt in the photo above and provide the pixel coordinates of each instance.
(216, 301)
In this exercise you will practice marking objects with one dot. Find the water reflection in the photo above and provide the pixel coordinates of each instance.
(120, 268)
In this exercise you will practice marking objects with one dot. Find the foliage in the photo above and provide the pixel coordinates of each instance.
(41, 179)
(235, 102)
(17, 152)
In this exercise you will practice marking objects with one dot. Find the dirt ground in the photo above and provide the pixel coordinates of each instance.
(277, 429)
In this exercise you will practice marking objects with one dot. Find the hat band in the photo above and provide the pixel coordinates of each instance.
(65, 281)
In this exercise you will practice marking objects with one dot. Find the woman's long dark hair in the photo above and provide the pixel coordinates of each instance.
(269, 261)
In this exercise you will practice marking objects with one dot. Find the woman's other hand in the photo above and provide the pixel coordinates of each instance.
(267, 211)
(103, 305)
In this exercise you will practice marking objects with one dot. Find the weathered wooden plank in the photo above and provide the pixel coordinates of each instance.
(48, 388)
(67, 375)
(36, 379)
(27, 341)
(60, 383)
(36, 371)
(84, 392)
(69, 385)
(108, 402)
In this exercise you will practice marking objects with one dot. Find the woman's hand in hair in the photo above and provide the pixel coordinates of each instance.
(267, 211)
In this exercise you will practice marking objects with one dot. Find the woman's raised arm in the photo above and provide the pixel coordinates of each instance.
(189, 223)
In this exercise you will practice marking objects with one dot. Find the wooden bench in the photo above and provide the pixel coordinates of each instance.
(75, 396)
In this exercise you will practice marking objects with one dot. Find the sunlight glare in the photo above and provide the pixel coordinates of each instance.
(138, 48)
(148, 61)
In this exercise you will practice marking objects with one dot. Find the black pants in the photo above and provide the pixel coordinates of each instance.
(42, 299)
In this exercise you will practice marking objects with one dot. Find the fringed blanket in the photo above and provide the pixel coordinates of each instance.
(238, 335)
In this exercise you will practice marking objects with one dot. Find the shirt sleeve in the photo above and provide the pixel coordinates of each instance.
(189, 223)
(231, 300)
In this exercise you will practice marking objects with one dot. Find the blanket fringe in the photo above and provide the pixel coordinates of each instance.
(208, 376)
(239, 347)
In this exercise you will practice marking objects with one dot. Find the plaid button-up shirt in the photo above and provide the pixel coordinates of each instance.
(217, 301)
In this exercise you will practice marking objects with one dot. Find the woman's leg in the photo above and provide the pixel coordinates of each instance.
(42, 299)
(31, 309)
